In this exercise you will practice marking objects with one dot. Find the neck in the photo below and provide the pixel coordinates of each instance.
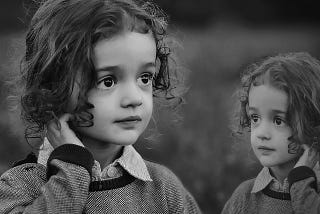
(104, 153)
(280, 172)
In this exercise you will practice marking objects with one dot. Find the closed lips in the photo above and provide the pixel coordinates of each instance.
(265, 148)
(129, 119)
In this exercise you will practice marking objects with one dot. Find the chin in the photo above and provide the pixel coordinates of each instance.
(125, 140)
(267, 163)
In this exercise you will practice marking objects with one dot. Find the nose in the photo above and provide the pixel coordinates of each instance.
(263, 131)
(131, 96)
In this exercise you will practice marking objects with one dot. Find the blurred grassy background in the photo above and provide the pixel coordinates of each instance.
(219, 39)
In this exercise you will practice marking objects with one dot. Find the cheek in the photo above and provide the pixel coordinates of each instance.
(285, 137)
(148, 109)
(253, 142)
(252, 135)
(251, 138)
(148, 100)
(289, 156)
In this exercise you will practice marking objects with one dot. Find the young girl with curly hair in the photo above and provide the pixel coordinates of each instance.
(280, 108)
(90, 73)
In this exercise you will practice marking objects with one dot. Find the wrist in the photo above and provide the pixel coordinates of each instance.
(300, 173)
(70, 153)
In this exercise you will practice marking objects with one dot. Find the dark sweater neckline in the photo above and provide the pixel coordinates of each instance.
(277, 195)
(115, 183)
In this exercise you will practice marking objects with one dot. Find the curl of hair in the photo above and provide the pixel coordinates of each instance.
(59, 47)
(298, 74)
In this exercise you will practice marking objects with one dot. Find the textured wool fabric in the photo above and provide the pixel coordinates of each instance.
(302, 199)
(130, 161)
(67, 188)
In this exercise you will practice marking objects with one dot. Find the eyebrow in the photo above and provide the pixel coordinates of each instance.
(149, 64)
(115, 68)
(108, 68)
(273, 110)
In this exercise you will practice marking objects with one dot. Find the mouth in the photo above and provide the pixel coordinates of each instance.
(131, 119)
(264, 148)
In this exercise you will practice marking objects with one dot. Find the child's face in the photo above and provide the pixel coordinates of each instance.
(122, 100)
(269, 129)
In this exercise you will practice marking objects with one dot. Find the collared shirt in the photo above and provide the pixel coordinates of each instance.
(130, 161)
(264, 179)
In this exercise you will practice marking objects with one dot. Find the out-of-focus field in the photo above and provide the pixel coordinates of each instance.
(199, 148)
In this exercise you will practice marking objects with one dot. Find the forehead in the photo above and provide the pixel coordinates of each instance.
(267, 97)
(123, 47)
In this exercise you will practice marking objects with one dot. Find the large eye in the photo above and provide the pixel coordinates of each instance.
(279, 121)
(254, 119)
(145, 79)
(106, 82)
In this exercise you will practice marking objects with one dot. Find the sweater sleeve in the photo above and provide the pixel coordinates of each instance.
(303, 190)
(179, 199)
(239, 200)
(190, 204)
(25, 189)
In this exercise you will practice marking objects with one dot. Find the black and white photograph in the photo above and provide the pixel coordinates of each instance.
(159, 106)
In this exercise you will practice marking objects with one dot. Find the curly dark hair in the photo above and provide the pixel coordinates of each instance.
(298, 74)
(59, 44)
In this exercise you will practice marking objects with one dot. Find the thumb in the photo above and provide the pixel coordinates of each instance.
(305, 147)
(66, 117)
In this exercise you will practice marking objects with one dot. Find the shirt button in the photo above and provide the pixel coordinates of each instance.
(112, 172)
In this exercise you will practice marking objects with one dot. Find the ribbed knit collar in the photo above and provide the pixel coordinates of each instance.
(130, 161)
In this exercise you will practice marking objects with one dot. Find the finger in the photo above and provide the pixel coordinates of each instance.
(56, 120)
(312, 158)
(312, 152)
(52, 139)
(65, 118)
(305, 147)
(52, 126)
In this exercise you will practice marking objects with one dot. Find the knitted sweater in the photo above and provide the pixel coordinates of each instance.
(65, 186)
(302, 199)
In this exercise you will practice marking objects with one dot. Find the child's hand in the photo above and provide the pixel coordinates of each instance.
(59, 134)
(308, 158)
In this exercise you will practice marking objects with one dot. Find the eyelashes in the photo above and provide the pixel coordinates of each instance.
(256, 119)
(145, 79)
(110, 81)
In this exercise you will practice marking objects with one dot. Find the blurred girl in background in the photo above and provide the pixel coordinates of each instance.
(280, 108)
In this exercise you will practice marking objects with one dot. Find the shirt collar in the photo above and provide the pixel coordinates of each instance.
(262, 180)
(130, 160)
(133, 163)
(44, 152)
(265, 179)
